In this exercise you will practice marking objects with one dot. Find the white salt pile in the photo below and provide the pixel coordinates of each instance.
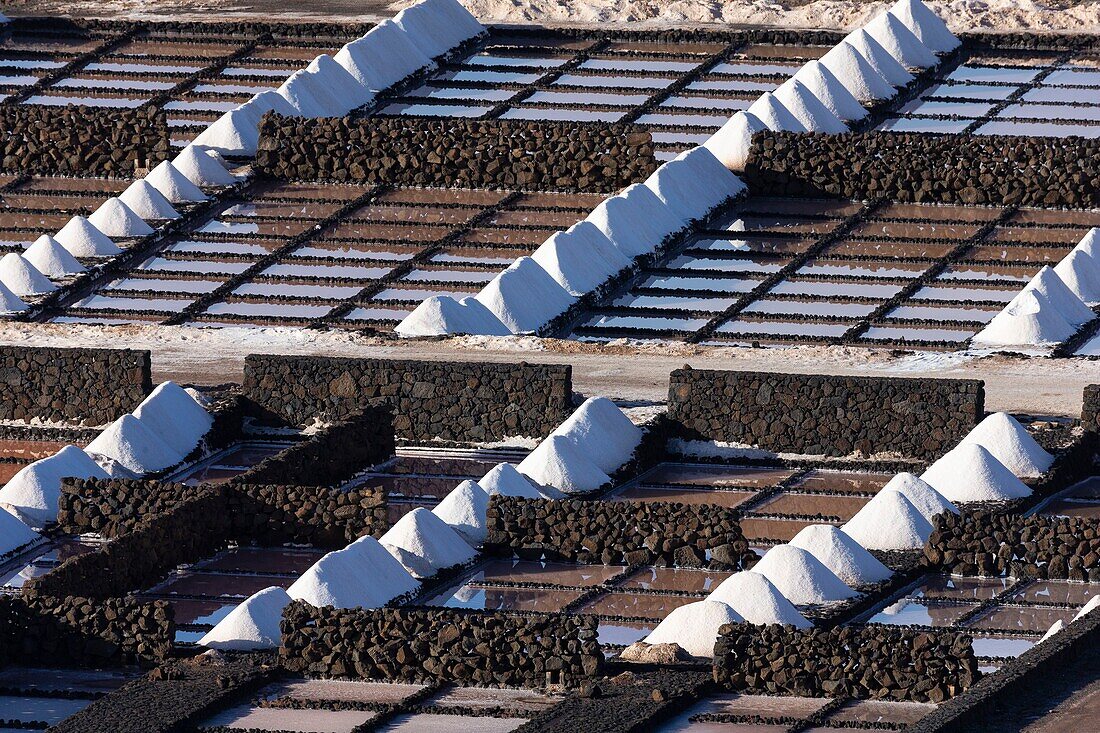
(856, 73)
(253, 625)
(236, 132)
(201, 168)
(1054, 629)
(334, 580)
(117, 220)
(343, 85)
(1047, 283)
(128, 443)
(694, 626)
(733, 141)
(14, 534)
(424, 544)
(925, 25)
(173, 415)
(1088, 608)
(879, 58)
(173, 185)
(22, 278)
(308, 97)
(635, 221)
(841, 554)
(464, 510)
(383, 575)
(147, 202)
(580, 259)
(557, 463)
(1081, 273)
(969, 472)
(1030, 319)
(693, 184)
(264, 102)
(921, 495)
(830, 92)
(505, 480)
(437, 26)
(801, 577)
(81, 239)
(808, 109)
(383, 57)
(524, 297)
(889, 522)
(601, 431)
(900, 42)
(482, 318)
(32, 494)
(442, 315)
(1011, 444)
(756, 600)
(1090, 243)
(10, 302)
(51, 259)
(774, 114)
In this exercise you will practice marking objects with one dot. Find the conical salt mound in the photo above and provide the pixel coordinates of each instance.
(334, 580)
(10, 302)
(383, 57)
(925, 25)
(439, 315)
(384, 577)
(82, 239)
(133, 446)
(1090, 244)
(808, 109)
(1054, 629)
(693, 184)
(32, 494)
(117, 220)
(733, 141)
(694, 627)
(921, 495)
(51, 259)
(889, 522)
(801, 577)
(635, 221)
(173, 185)
(601, 431)
(424, 544)
(253, 625)
(580, 259)
(1031, 319)
(556, 462)
(22, 278)
(900, 42)
(1010, 443)
(774, 114)
(505, 480)
(879, 58)
(308, 94)
(969, 472)
(343, 84)
(14, 534)
(756, 600)
(845, 557)
(1047, 283)
(1080, 272)
(1088, 608)
(202, 169)
(856, 73)
(482, 318)
(236, 132)
(830, 92)
(465, 510)
(524, 297)
(437, 26)
(174, 416)
(147, 202)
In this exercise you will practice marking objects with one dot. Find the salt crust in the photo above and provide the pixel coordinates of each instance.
(808, 109)
(10, 302)
(1047, 283)
(253, 625)
(464, 509)
(363, 574)
(201, 168)
(14, 533)
(1081, 273)
(801, 577)
(694, 626)
(424, 544)
(756, 600)
(775, 115)
(581, 258)
(437, 26)
(900, 42)
(970, 473)
(344, 86)
(383, 57)
(1054, 629)
(879, 58)
(33, 493)
(557, 463)
(442, 315)
(505, 480)
(693, 184)
(925, 25)
(1088, 608)
(889, 522)
(1030, 319)
(236, 132)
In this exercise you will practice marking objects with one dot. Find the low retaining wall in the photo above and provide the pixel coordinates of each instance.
(846, 661)
(455, 152)
(1090, 408)
(311, 515)
(112, 508)
(825, 415)
(424, 644)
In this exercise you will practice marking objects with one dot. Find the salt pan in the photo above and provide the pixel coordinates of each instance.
(754, 597)
(524, 297)
(51, 259)
(841, 554)
(505, 480)
(236, 132)
(82, 239)
(921, 495)
(1030, 319)
(733, 141)
(1010, 443)
(900, 42)
(147, 202)
(14, 534)
(889, 522)
(1046, 282)
(694, 627)
(117, 220)
(22, 278)
(383, 57)
(879, 58)
(635, 221)
(925, 25)
(202, 169)
(464, 510)
(580, 259)
(828, 89)
(808, 109)
(33, 493)
(133, 446)
(969, 472)
(173, 185)
(437, 26)
(442, 315)
(424, 544)
(558, 463)
(340, 81)
(694, 183)
(774, 114)
(253, 625)
(801, 577)
(10, 302)
(601, 431)
(174, 416)
(856, 73)
(1080, 271)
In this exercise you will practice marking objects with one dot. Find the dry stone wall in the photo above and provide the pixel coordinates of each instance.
(1090, 408)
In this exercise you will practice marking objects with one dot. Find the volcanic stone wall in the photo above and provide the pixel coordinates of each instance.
(274, 514)
(1036, 546)
(845, 661)
(81, 386)
(928, 168)
(459, 401)
(454, 645)
(619, 532)
(1090, 408)
(825, 415)
(115, 507)
(452, 152)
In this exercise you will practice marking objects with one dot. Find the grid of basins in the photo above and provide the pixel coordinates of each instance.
(833, 271)
(1000, 92)
(1080, 500)
(26, 58)
(44, 204)
(33, 698)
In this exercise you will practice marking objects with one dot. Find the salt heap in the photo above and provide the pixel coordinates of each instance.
(558, 463)
(969, 472)
(1047, 283)
(841, 554)
(147, 202)
(900, 42)
(774, 114)
(635, 221)
(307, 94)
(363, 574)
(601, 431)
(756, 600)
(173, 185)
(14, 535)
(464, 510)
(693, 184)
(505, 480)
(879, 58)
(524, 297)
(921, 495)
(442, 315)
(925, 25)
(801, 577)
(383, 57)
(1030, 319)
(128, 443)
(202, 169)
(82, 239)
(384, 576)
(1010, 443)
(32, 494)
(116, 219)
(889, 522)
(173, 415)
(437, 26)
(20, 276)
(236, 132)
(1090, 243)
(1088, 608)
(733, 141)
(255, 624)
(694, 626)
(424, 544)
(856, 73)
(830, 92)
(345, 86)
(580, 259)
(10, 302)
(51, 259)
(1081, 273)
(808, 109)
(1054, 629)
